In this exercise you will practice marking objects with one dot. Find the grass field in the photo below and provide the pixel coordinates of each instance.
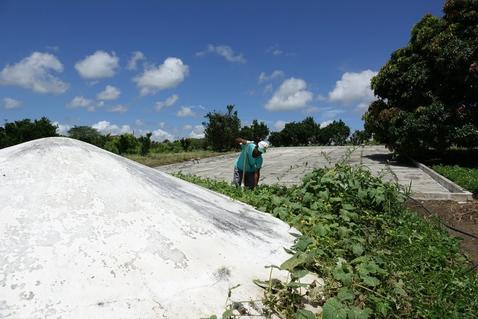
(158, 159)
(463, 176)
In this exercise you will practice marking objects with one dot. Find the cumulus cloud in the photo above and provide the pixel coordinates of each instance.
(99, 65)
(276, 74)
(197, 132)
(81, 102)
(136, 56)
(62, 129)
(166, 103)
(279, 125)
(185, 111)
(118, 108)
(109, 93)
(291, 95)
(106, 127)
(225, 51)
(160, 135)
(35, 72)
(353, 88)
(9, 103)
(167, 75)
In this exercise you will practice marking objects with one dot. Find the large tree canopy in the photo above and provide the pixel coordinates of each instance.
(222, 129)
(255, 132)
(17, 132)
(428, 91)
(309, 132)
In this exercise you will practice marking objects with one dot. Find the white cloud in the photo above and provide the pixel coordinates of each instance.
(353, 88)
(118, 108)
(36, 73)
(168, 75)
(187, 127)
(185, 111)
(109, 93)
(225, 51)
(9, 103)
(106, 127)
(81, 102)
(276, 51)
(276, 74)
(99, 65)
(136, 56)
(197, 132)
(279, 125)
(291, 95)
(160, 135)
(62, 128)
(139, 122)
(166, 103)
(326, 123)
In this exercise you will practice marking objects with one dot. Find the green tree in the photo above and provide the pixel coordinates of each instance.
(336, 133)
(255, 132)
(127, 144)
(359, 137)
(87, 134)
(185, 143)
(145, 142)
(222, 129)
(17, 132)
(297, 133)
(428, 91)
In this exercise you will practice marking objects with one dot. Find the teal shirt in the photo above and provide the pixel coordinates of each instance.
(252, 164)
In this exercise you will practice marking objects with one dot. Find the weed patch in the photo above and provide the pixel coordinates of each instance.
(377, 258)
(463, 176)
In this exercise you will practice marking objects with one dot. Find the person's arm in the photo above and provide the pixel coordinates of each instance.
(241, 141)
(257, 175)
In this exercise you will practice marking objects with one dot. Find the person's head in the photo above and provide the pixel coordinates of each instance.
(260, 148)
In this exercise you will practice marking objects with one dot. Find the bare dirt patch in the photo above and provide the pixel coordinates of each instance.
(460, 216)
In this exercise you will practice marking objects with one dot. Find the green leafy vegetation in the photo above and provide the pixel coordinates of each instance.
(463, 176)
(378, 259)
(308, 132)
(427, 91)
(17, 132)
(221, 129)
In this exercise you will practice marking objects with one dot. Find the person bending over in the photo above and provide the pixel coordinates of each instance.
(248, 164)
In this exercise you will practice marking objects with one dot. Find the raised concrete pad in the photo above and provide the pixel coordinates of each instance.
(88, 234)
(287, 165)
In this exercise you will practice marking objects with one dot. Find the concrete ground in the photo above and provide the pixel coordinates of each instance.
(287, 165)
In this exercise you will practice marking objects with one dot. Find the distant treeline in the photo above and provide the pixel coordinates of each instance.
(220, 131)
(17, 132)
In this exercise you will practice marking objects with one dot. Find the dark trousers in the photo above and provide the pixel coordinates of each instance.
(248, 178)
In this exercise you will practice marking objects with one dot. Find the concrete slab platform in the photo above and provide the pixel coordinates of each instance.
(287, 165)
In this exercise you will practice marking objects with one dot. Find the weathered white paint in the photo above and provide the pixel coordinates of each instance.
(88, 234)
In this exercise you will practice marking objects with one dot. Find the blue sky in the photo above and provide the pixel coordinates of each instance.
(162, 65)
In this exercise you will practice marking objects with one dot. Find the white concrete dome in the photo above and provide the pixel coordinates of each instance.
(88, 234)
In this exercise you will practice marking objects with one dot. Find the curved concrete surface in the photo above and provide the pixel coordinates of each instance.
(88, 234)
